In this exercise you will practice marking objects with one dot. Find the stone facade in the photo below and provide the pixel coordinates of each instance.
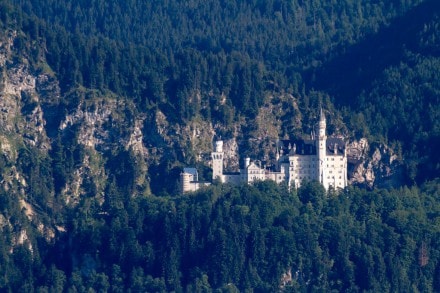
(189, 180)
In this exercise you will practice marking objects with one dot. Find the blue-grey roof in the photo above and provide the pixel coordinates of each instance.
(192, 171)
(308, 146)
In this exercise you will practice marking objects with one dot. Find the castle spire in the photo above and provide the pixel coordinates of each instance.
(321, 115)
(322, 124)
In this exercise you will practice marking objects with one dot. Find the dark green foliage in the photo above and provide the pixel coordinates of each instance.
(244, 237)
(390, 80)
(37, 172)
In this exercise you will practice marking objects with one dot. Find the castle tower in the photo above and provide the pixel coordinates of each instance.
(185, 185)
(322, 145)
(217, 160)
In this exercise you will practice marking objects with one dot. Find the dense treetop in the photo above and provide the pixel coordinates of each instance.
(236, 238)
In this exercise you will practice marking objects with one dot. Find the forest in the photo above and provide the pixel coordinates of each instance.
(236, 239)
(374, 63)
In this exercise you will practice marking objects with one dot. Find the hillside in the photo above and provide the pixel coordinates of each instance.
(103, 102)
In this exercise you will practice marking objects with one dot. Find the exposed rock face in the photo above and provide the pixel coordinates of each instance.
(6, 43)
(258, 138)
(136, 139)
(357, 152)
(21, 114)
(382, 168)
(231, 154)
(200, 133)
(22, 129)
(90, 120)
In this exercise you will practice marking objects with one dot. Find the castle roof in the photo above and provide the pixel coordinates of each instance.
(298, 147)
(252, 165)
(335, 142)
(307, 147)
(192, 171)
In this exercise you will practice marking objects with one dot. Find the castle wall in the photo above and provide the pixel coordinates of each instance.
(302, 168)
(336, 171)
(278, 177)
(186, 183)
(254, 173)
(189, 181)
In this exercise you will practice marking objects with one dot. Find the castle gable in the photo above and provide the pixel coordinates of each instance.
(252, 166)
(335, 146)
(298, 147)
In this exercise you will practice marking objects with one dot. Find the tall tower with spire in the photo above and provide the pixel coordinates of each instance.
(322, 148)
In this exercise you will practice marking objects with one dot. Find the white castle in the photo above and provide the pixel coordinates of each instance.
(321, 159)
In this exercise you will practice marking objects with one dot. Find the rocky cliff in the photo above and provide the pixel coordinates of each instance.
(374, 166)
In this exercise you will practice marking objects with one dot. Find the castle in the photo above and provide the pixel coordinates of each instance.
(321, 159)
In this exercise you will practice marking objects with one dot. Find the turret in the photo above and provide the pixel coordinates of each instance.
(247, 162)
(217, 160)
(185, 179)
(219, 146)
